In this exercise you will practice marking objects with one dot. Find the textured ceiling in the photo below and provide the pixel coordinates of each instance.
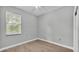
(38, 11)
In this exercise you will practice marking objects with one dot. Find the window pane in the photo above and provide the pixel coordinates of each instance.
(13, 23)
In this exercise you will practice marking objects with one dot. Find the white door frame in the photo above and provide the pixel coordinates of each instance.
(75, 30)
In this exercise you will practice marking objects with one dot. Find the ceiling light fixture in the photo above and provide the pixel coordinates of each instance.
(37, 7)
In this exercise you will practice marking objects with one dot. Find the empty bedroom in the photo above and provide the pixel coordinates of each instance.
(37, 28)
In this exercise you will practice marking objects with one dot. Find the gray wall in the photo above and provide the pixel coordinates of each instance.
(0, 26)
(78, 27)
(57, 26)
(28, 27)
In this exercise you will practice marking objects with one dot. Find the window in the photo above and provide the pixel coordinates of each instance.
(13, 23)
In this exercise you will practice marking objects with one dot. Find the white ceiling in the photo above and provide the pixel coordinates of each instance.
(38, 11)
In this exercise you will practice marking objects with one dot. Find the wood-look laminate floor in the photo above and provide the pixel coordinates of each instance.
(38, 46)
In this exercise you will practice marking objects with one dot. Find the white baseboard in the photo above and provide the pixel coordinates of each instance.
(56, 43)
(33, 40)
(2, 49)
